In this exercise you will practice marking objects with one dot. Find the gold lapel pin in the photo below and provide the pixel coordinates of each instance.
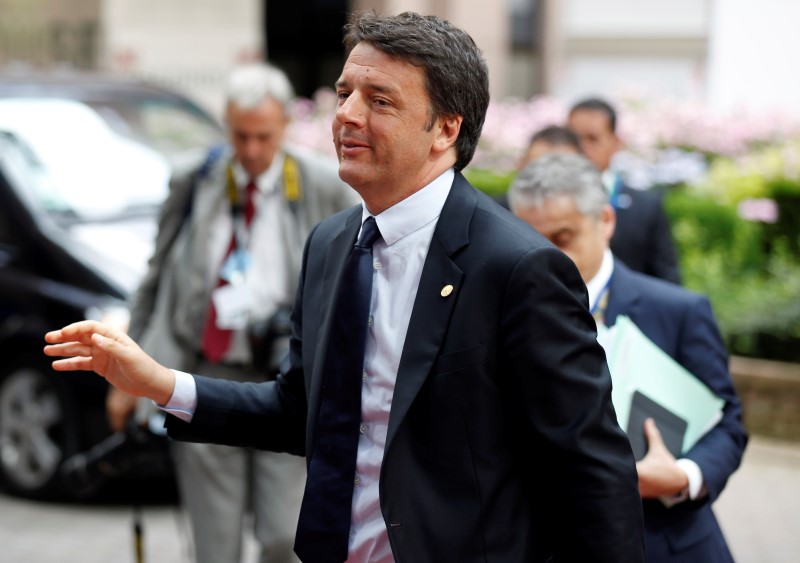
(447, 290)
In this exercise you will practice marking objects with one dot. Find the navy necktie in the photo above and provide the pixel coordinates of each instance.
(324, 525)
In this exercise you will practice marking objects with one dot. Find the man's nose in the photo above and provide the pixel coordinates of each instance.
(351, 110)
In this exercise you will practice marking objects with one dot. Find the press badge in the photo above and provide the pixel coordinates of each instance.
(235, 266)
(232, 301)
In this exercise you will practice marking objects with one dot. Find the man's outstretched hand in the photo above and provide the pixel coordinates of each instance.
(94, 346)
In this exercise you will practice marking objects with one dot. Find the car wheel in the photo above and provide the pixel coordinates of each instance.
(37, 430)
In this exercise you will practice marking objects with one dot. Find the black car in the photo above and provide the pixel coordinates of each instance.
(78, 209)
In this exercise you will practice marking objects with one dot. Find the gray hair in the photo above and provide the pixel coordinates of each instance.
(456, 75)
(249, 85)
(559, 174)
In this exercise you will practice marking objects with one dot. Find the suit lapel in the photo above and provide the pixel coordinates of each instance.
(336, 256)
(623, 297)
(430, 316)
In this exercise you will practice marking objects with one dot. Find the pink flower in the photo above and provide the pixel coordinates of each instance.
(758, 209)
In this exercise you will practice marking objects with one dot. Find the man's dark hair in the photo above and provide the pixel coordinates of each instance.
(558, 137)
(456, 75)
(597, 104)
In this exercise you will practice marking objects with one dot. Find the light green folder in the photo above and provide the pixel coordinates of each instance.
(636, 363)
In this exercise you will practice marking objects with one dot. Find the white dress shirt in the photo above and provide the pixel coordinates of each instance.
(406, 234)
(266, 278)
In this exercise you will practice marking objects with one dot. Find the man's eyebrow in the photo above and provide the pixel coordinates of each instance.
(376, 87)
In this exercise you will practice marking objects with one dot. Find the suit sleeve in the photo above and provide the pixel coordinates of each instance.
(269, 415)
(701, 351)
(589, 475)
(170, 220)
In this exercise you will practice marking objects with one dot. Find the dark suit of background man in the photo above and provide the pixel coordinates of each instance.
(642, 239)
(171, 313)
(488, 433)
(563, 198)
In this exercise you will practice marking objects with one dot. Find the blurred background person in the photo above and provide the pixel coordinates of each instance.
(216, 300)
(562, 196)
(553, 138)
(642, 238)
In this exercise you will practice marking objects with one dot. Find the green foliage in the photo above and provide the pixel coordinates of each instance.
(703, 227)
(786, 194)
(749, 271)
(488, 181)
(762, 173)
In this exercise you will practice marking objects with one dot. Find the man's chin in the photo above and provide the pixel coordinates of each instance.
(351, 173)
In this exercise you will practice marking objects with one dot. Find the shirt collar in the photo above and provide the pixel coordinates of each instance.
(415, 211)
(598, 283)
(267, 180)
(609, 180)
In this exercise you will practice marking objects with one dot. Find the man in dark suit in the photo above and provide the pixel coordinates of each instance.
(172, 316)
(642, 239)
(486, 427)
(562, 197)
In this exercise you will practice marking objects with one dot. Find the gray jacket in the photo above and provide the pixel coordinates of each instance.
(168, 310)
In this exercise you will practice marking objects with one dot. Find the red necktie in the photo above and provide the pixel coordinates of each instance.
(216, 341)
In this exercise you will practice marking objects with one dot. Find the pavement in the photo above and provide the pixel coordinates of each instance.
(758, 512)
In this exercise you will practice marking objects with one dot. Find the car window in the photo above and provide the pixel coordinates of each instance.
(84, 167)
(21, 168)
(170, 127)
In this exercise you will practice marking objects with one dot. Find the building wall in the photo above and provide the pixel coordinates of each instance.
(47, 34)
(753, 55)
(728, 53)
(187, 44)
(611, 47)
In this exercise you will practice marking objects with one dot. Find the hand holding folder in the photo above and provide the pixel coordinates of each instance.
(647, 382)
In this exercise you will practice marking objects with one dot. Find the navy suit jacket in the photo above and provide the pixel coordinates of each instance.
(643, 237)
(682, 324)
(502, 444)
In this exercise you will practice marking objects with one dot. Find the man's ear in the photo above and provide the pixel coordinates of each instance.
(448, 130)
(619, 144)
(608, 221)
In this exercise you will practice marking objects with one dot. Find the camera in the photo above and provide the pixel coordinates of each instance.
(269, 340)
(135, 451)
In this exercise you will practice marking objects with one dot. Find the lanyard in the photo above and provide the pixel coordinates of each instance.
(292, 192)
(598, 311)
(613, 197)
(240, 227)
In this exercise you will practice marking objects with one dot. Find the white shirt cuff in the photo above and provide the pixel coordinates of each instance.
(694, 475)
(183, 402)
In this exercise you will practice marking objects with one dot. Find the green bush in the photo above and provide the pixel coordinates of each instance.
(488, 181)
(749, 270)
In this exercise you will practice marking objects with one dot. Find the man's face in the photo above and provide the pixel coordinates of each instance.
(598, 142)
(380, 129)
(256, 134)
(582, 238)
